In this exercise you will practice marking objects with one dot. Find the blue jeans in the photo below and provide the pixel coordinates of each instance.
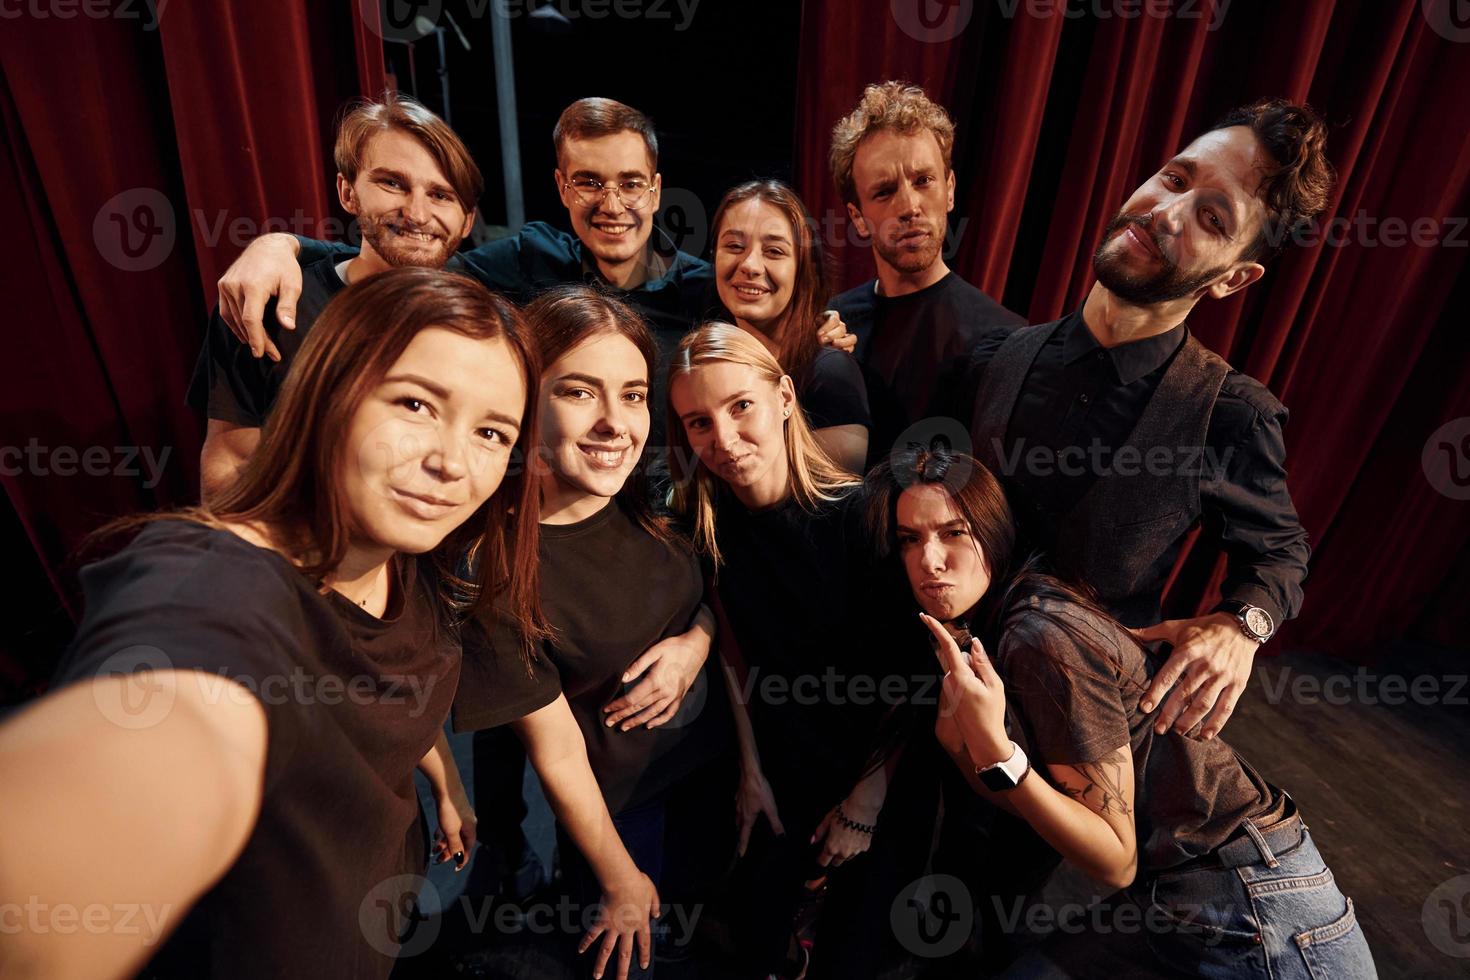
(1277, 916)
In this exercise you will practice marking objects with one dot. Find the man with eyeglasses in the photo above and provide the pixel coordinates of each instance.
(607, 177)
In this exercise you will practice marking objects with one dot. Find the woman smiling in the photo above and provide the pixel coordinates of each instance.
(773, 282)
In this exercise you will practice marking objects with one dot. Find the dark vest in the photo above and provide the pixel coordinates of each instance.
(1123, 535)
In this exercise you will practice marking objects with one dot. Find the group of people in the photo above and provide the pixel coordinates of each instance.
(690, 531)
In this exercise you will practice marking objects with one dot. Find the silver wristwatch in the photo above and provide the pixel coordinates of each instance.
(1254, 621)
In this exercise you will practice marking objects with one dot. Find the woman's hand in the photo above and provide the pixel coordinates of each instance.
(753, 798)
(668, 668)
(455, 838)
(622, 920)
(841, 843)
(973, 695)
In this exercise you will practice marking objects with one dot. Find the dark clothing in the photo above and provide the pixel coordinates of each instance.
(835, 394)
(1075, 699)
(352, 703)
(674, 299)
(1180, 438)
(908, 346)
(610, 590)
(799, 589)
(233, 385)
(812, 618)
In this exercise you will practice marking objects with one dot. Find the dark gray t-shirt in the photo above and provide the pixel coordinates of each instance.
(1077, 702)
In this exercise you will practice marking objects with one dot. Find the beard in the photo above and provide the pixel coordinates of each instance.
(382, 232)
(909, 260)
(1166, 285)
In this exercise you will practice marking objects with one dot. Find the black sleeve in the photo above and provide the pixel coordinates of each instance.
(1248, 506)
(836, 395)
(959, 379)
(496, 684)
(160, 604)
(230, 383)
(311, 250)
(1066, 691)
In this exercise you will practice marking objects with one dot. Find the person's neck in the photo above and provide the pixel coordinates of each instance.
(893, 281)
(767, 493)
(1113, 321)
(628, 274)
(761, 334)
(363, 577)
(563, 504)
(367, 263)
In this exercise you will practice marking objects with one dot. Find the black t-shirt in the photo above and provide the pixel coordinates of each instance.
(233, 385)
(834, 393)
(610, 590)
(914, 348)
(815, 625)
(1076, 704)
(352, 703)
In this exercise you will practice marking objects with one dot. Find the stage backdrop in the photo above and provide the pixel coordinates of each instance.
(1363, 337)
(147, 142)
(141, 152)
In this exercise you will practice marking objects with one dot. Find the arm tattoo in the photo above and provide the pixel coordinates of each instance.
(1103, 791)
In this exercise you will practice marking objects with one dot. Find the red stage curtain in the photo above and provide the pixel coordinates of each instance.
(132, 146)
(1059, 118)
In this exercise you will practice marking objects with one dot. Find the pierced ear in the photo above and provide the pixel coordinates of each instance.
(788, 396)
(857, 220)
(1240, 277)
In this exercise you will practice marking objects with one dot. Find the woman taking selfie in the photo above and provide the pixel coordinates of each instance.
(1213, 855)
(237, 722)
(780, 524)
(773, 283)
(598, 707)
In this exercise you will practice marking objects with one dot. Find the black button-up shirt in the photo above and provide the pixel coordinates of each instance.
(1085, 399)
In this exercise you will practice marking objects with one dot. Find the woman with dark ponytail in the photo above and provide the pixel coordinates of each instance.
(1219, 862)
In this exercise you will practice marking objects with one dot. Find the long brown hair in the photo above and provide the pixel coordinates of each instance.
(565, 316)
(795, 333)
(814, 478)
(292, 482)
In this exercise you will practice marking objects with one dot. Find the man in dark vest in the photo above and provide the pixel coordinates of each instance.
(1115, 431)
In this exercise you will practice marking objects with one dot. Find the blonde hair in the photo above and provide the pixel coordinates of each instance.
(895, 106)
(813, 477)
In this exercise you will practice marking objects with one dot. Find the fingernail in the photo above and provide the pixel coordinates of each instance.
(1146, 705)
(1160, 729)
(1209, 734)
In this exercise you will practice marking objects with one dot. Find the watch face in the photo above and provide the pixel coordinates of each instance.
(997, 780)
(1258, 621)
